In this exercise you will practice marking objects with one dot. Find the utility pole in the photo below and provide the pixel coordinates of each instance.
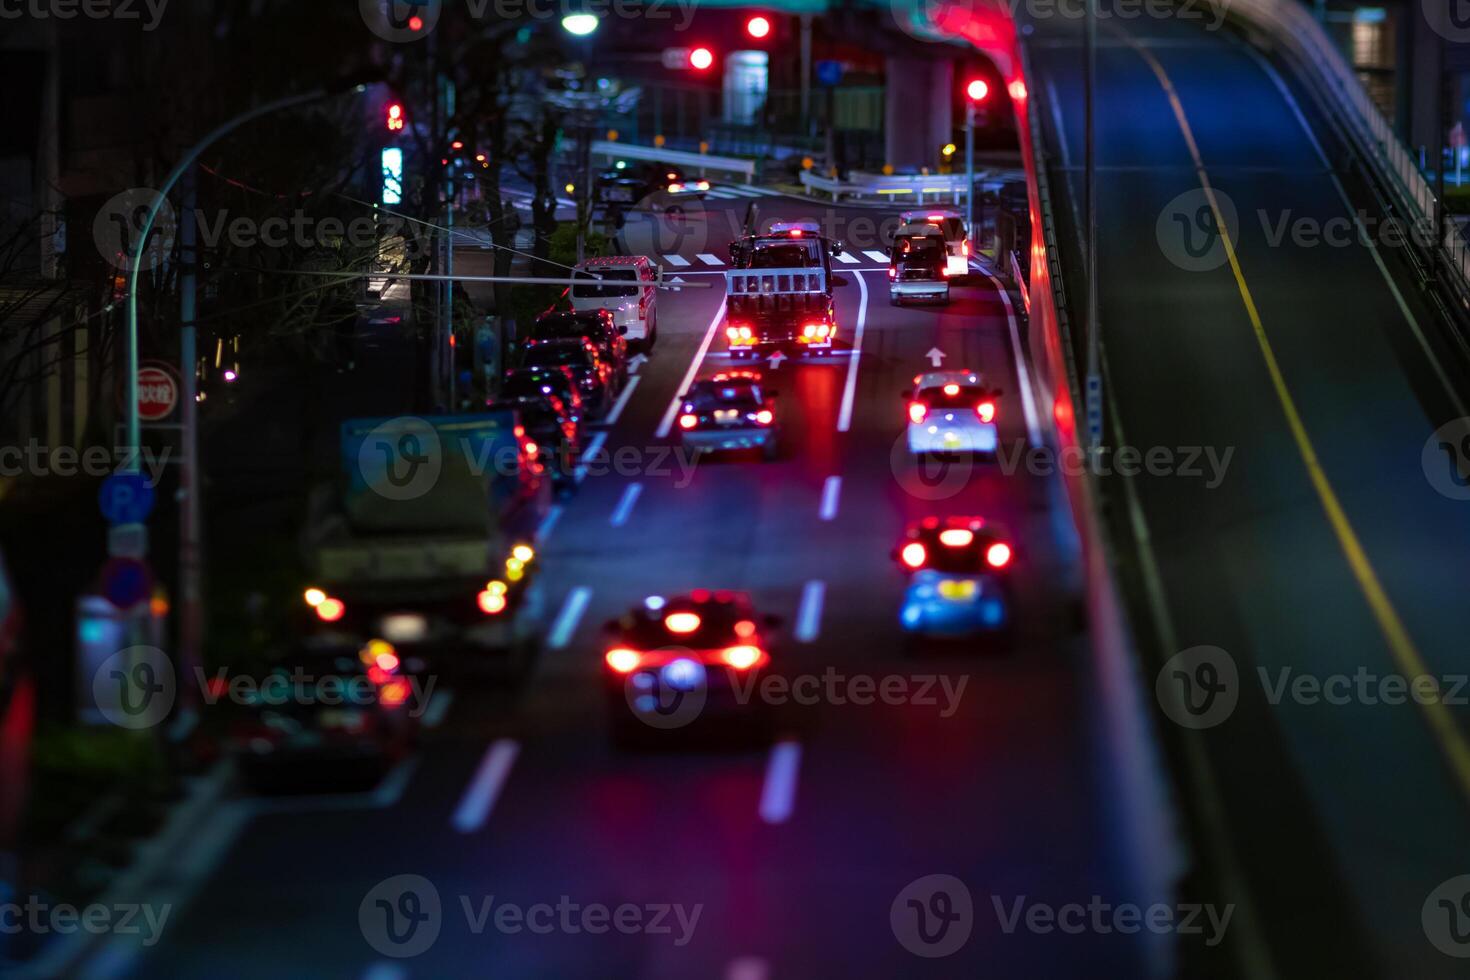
(191, 559)
(1094, 329)
(806, 73)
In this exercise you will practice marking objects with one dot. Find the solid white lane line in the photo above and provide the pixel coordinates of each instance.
(594, 446)
(1023, 374)
(567, 619)
(709, 259)
(847, 258)
(809, 616)
(484, 789)
(876, 256)
(831, 490)
(676, 260)
(668, 420)
(622, 402)
(438, 708)
(849, 390)
(778, 795)
(748, 968)
(625, 505)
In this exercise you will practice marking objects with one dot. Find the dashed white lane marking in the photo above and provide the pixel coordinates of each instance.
(709, 259)
(438, 708)
(485, 786)
(876, 256)
(831, 490)
(778, 795)
(849, 389)
(847, 258)
(567, 619)
(809, 616)
(678, 260)
(593, 448)
(548, 523)
(622, 402)
(625, 505)
(1023, 374)
(667, 422)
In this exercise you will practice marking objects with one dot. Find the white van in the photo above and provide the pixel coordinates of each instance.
(624, 284)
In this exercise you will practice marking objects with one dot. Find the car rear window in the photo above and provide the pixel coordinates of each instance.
(709, 395)
(784, 255)
(716, 626)
(570, 325)
(602, 288)
(916, 248)
(541, 355)
(966, 397)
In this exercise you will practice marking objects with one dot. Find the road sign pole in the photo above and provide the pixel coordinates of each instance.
(1094, 329)
(191, 572)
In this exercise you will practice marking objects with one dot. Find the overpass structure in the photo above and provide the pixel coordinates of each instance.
(1274, 294)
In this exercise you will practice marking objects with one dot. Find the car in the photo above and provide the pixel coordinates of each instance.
(685, 661)
(596, 325)
(324, 718)
(959, 583)
(560, 381)
(730, 411)
(596, 378)
(624, 187)
(553, 430)
(625, 285)
(951, 225)
(951, 412)
(917, 265)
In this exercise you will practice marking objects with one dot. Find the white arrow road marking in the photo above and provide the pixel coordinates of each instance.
(637, 361)
(668, 420)
(778, 795)
(776, 360)
(709, 259)
(849, 390)
(484, 789)
(876, 256)
(831, 490)
(935, 355)
(625, 504)
(567, 619)
(809, 616)
(676, 260)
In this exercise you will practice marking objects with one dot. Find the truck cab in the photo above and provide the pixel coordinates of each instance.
(779, 292)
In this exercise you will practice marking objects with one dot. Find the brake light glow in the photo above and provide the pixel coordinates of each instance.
(688, 421)
(796, 233)
(330, 610)
(913, 554)
(956, 537)
(742, 657)
(765, 416)
(892, 272)
(965, 247)
(491, 603)
(986, 411)
(523, 552)
(918, 412)
(394, 693)
(998, 555)
(682, 622)
(623, 660)
(314, 597)
(951, 390)
(675, 188)
(531, 449)
(738, 334)
(745, 629)
(703, 185)
(944, 270)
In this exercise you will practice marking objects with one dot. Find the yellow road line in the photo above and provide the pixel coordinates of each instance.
(1441, 722)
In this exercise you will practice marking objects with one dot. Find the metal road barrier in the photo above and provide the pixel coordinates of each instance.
(892, 186)
(681, 158)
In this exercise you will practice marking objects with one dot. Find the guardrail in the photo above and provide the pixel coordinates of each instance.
(1290, 25)
(679, 158)
(890, 186)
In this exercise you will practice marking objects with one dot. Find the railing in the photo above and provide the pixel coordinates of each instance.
(1292, 26)
(890, 186)
(682, 158)
(775, 282)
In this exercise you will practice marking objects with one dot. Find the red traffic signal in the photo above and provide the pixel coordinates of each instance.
(977, 89)
(758, 27)
(701, 58)
(395, 117)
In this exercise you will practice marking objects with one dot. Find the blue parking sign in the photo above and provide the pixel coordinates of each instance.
(125, 498)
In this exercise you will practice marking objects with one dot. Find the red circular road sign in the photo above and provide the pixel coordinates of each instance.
(158, 393)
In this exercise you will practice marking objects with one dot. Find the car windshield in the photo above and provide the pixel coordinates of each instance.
(784, 255)
(603, 289)
(952, 396)
(541, 355)
(917, 249)
(718, 394)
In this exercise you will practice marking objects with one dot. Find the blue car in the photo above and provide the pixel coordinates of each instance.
(958, 582)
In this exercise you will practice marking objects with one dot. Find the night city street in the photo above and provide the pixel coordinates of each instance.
(701, 489)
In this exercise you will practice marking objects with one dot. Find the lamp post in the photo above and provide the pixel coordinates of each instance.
(976, 92)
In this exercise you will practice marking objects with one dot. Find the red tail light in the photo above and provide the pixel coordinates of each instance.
(892, 272)
(944, 270)
(986, 411)
(623, 660)
(765, 417)
(913, 554)
(743, 657)
(965, 247)
(918, 412)
(687, 421)
(330, 610)
(998, 555)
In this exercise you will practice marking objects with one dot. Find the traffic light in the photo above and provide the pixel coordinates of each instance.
(758, 27)
(977, 89)
(395, 117)
(701, 58)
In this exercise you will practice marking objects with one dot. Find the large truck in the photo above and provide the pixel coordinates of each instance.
(425, 543)
(778, 292)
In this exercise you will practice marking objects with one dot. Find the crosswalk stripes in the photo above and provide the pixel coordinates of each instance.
(847, 258)
(678, 260)
(877, 256)
(709, 259)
